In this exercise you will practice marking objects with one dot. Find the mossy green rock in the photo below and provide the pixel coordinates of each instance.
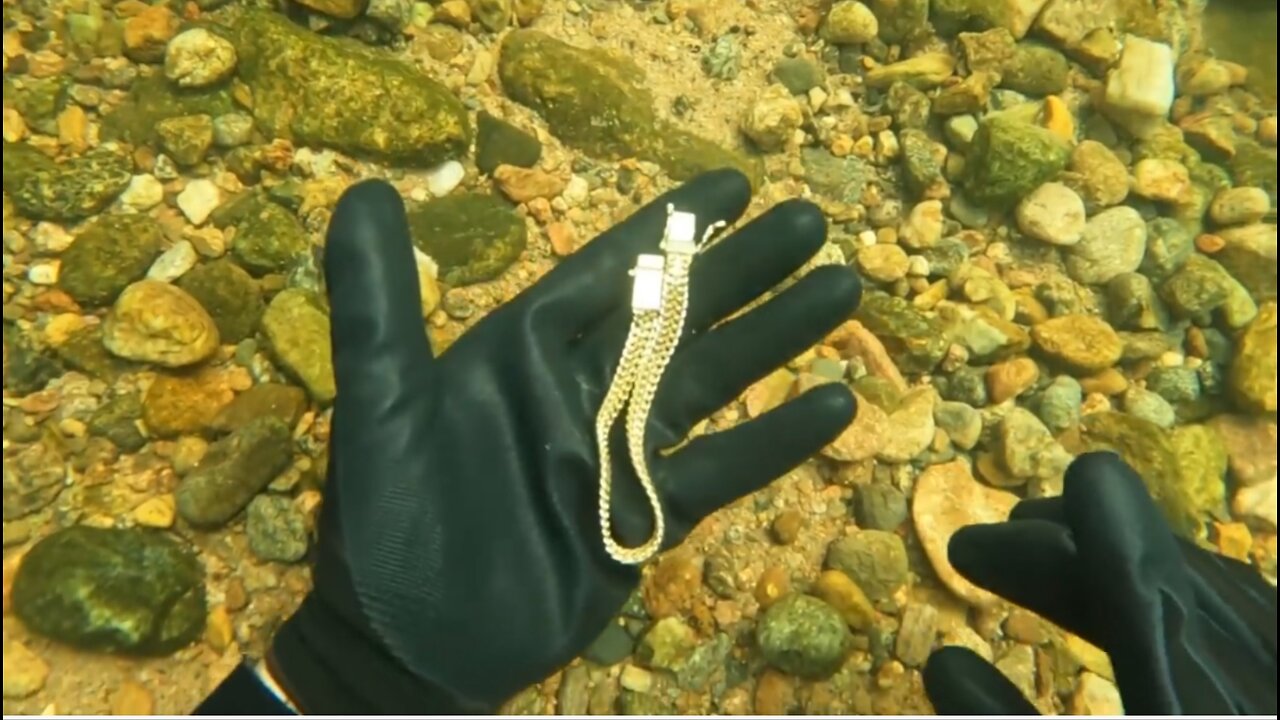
(1035, 69)
(1250, 257)
(341, 94)
(473, 237)
(186, 138)
(268, 238)
(133, 591)
(874, 559)
(1010, 158)
(111, 253)
(1202, 459)
(1254, 165)
(84, 351)
(153, 100)
(235, 469)
(498, 142)
(117, 421)
(803, 636)
(1253, 369)
(278, 400)
(38, 99)
(1150, 451)
(66, 190)
(230, 296)
(901, 20)
(841, 179)
(1169, 245)
(915, 341)
(1195, 291)
(28, 367)
(597, 103)
(297, 332)
(921, 166)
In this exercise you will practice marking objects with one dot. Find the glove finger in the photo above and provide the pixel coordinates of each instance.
(714, 470)
(380, 346)
(715, 368)
(587, 286)
(1052, 509)
(1031, 563)
(959, 682)
(730, 274)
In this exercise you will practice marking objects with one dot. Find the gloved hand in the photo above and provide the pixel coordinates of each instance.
(1188, 632)
(460, 555)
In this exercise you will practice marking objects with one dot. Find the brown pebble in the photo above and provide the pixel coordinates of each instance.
(132, 698)
(1025, 627)
(1011, 378)
(775, 693)
(786, 527)
(773, 584)
(1234, 540)
(674, 586)
(842, 593)
(235, 598)
(1208, 243)
(218, 633)
(454, 12)
(1197, 345)
(1109, 382)
(562, 237)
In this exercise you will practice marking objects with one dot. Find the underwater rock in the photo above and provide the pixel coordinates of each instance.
(498, 142)
(1010, 158)
(131, 591)
(1015, 16)
(152, 100)
(874, 559)
(596, 102)
(1253, 370)
(1250, 256)
(297, 332)
(276, 529)
(803, 636)
(269, 238)
(233, 471)
(158, 323)
(473, 237)
(64, 190)
(1081, 342)
(341, 94)
(229, 295)
(1114, 242)
(278, 400)
(913, 338)
(112, 252)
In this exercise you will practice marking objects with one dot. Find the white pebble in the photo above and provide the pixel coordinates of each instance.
(198, 199)
(50, 238)
(575, 192)
(144, 192)
(443, 178)
(44, 272)
(165, 169)
(867, 238)
(918, 266)
(1142, 81)
(173, 263)
(207, 241)
(817, 98)
(1052, 213)
(197, 57)
(887, 145)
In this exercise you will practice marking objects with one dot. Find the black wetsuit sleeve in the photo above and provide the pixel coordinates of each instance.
(242, 693)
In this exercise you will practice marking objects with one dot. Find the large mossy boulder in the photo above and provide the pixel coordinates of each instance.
(597, 102)
(341, 94)
(132, 591)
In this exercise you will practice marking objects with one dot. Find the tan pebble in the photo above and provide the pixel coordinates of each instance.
(218, 633)
(727, 613)
(540, 210)
(1095, 402)
(635, 679)
(73, 129)
(235, 598)
(841, 145)
(156, 512)
(25, 672)
(1011, 378)
(15, 128)
(41, 402)
(132, 698)
(562, 237)
(147, 34)
(525, 184)
(786, 527)
(1266, 130)
(890, 674)
(674, 586)
(862, 439)
(842, 593)
(768, 392)
(775, 693)
(1108, 382)
(1025, 627)
(774, 582)
(11, 564)
(1209, 243)
(1234, 540)
(72, 428)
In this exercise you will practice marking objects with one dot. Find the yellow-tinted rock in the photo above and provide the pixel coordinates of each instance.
(158, 323)
(1083, 342)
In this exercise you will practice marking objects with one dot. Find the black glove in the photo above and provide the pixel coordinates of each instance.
(1188, 632)
(460, 555)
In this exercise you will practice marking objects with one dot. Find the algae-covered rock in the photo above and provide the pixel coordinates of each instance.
(1083, 343)
(1254, 165)
(803, 636)
(597, 102)
(111, 253)
(473, 237)
(297, 332)
(1250, 256)
(234, 470)
(28, 367)
(922, 164)
(117, 421)
(498, 142)
(1010, 158)
(841, 179)
(1253, 369)
(186, 138)
(1150, 451)
(914, 340)
(229, 295)
(38, 99)
(153, 100)
(64, 190)
(268, 237)
(1035, 69)
(901, 20)
(133, 591)
(1016, 16)
(341, 94)
(1202, 458)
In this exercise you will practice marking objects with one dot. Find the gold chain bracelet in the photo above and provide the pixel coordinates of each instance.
(659, 302)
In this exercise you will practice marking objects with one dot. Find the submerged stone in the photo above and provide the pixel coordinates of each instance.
(473, 237)
(64, 190)
(1010, 158)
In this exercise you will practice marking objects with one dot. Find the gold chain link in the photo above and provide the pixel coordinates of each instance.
(660, 302)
